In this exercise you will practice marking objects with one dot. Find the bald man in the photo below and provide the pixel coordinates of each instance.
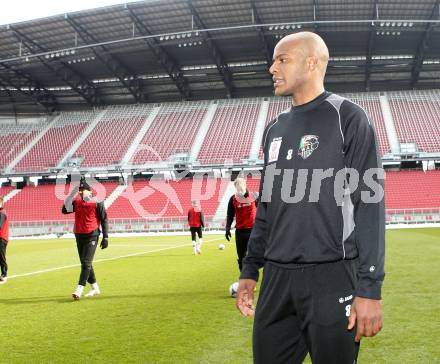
(319, 229)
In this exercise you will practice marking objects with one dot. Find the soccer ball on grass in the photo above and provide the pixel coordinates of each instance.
(233, 288)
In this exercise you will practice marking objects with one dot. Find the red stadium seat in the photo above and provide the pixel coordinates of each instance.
(55, 143)
(172, 131)
(41, 203)
(412, 189)
(231, 132)
(416, 118)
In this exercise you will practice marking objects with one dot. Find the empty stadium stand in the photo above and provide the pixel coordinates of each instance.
(43, 202)
(172, 131)
(109, 140)
(159, 198)
(15, 137)
(4, 190)
(412, 189)
(253, 184)
(404, 190)
(49, 150)
(410, 196)
(230, 135)
(276, 106)
(370, 103)
(416, 117)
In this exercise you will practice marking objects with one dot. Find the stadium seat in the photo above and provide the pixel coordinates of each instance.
(416, 117)
(41, 203)
(15, 137)
(230, 135)
(412, 189)
(371, 104)
(173, 130)
(155, 204)
(55, 143)
(404, 190)
(4, 190)
(112, 136)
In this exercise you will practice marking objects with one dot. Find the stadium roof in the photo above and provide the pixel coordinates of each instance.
(157, 51)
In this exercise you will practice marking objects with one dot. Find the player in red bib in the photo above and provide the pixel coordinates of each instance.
(4, 238)
(89, 215)
(196, 222)
(242, 206)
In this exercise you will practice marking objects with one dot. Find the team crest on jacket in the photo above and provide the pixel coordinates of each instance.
(307, 145)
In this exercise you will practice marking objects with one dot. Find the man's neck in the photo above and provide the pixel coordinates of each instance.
(304, 96)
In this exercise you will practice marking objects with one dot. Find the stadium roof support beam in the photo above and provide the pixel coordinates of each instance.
(424, 45)
(217, 56)
(14, 109)
(127, 77)
(36, 92)
(68, 75)
(265, 45)
(315, 17)
(371, 45)
(170, 65)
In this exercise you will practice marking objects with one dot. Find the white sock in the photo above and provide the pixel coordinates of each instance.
(79, 289)
(194, 246)
(95, 286)
(200, 243)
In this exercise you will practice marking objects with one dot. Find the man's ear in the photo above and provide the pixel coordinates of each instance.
(312, 63)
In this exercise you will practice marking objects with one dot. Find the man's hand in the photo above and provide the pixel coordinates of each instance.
(104, 243)
(228, 234)
(245, 297)
(366, 316)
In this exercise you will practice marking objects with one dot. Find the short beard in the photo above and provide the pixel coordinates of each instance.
(285, 93)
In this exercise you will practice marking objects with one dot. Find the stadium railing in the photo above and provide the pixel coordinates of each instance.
(180, 224)
(412, 216)
(120, 225)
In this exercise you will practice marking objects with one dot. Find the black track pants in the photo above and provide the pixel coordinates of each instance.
(3, 264)
(305, 310)
(86, 251)
(241, 241)
(195, 230)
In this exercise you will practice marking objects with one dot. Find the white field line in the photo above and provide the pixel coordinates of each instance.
(103, 260)
(116, 245)
(148, 245)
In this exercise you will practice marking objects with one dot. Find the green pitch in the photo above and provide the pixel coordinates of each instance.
(162, 304)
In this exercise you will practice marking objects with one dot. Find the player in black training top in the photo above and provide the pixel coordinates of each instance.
(320, 226)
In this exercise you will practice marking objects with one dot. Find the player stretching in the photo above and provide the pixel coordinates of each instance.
(242, 206)
(89, 214)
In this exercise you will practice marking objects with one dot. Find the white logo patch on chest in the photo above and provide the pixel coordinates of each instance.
(274, 149)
